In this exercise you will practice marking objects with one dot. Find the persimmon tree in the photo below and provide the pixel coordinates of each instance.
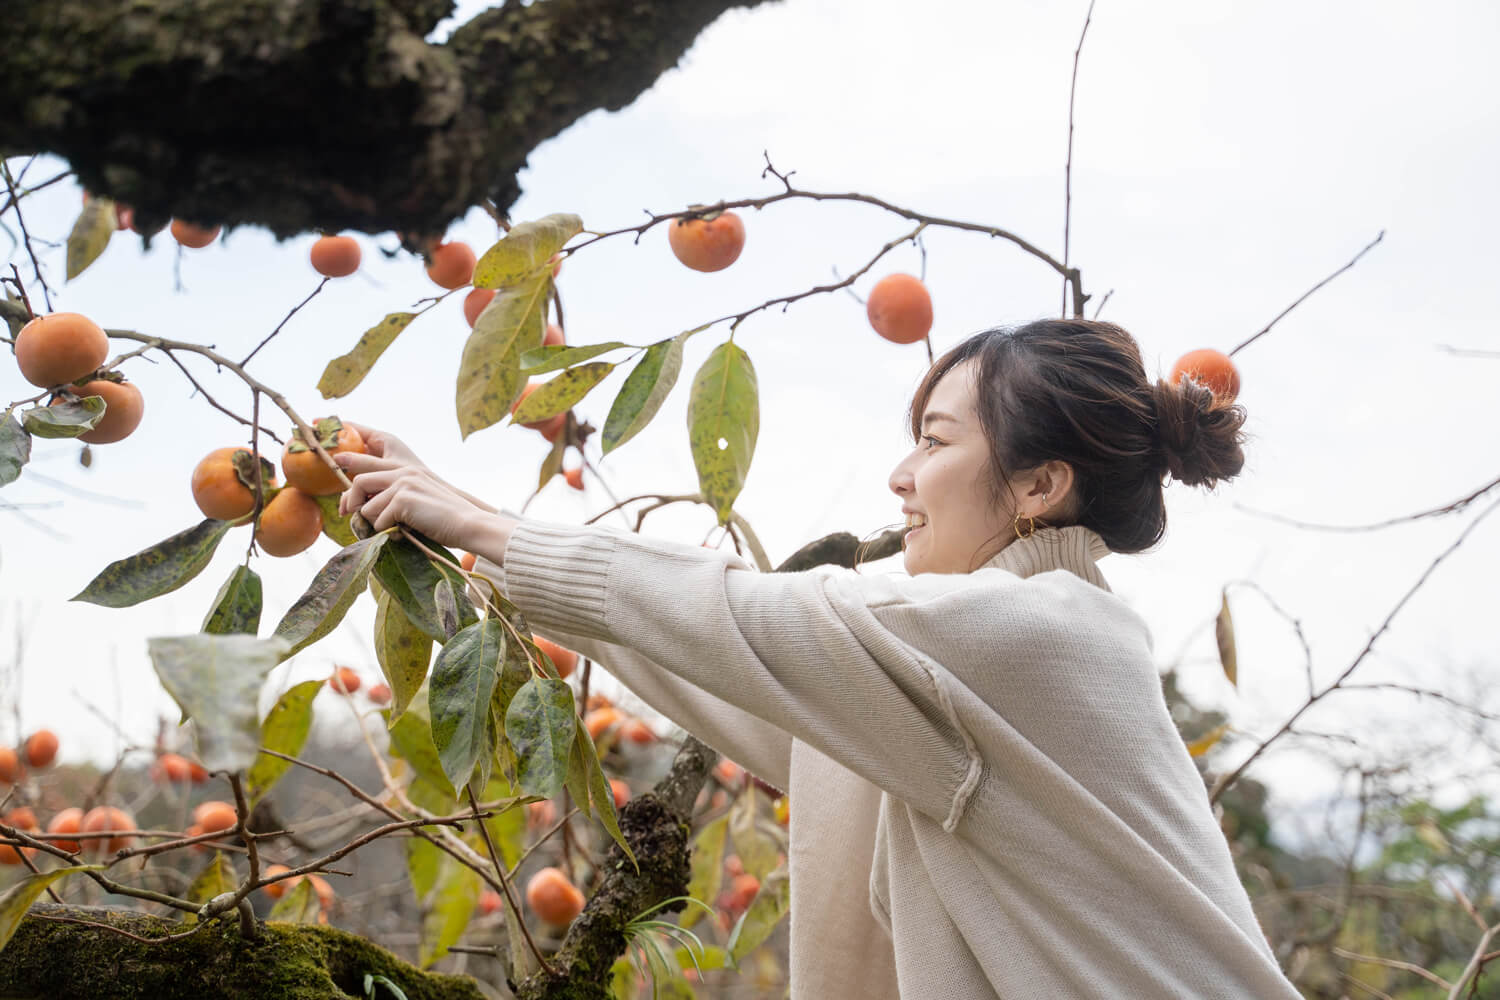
(487, 726)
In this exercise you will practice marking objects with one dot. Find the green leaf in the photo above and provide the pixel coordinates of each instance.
(217, 879)
(424, 862)
(519, 960)
(448, 911)
(90, 234)
(707, 869)
(489, 372)
(540, 723)
(723, 422)
(463, 682)
(600, 793)
(559, 394)
(403, 651)
(411, 580)
(158, 570)
(15, 901)
(526, 251)
(66, 419)
(347, 370)
(552, 464)
(319, 610)
(1224, 636)
(237, 606)
(216, 680)
(577, 779)
(757, 849)
(551, 357)
(284, 730)
(411, 741)
(622, 979)
(757, 923)
(335, 526)
(710, 958)
(300, 904)
(15, 448)
(645, 389)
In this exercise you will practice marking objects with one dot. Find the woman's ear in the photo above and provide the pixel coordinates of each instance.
(1050, 490)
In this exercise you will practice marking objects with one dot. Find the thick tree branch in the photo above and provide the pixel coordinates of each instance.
(334, 114)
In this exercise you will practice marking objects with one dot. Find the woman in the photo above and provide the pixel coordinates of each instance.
(991, 799)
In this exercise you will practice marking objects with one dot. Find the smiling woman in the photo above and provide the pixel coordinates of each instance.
(993, 799)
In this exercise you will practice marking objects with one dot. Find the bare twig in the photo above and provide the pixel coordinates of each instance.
(1224, 782)
(515, 906)
(1068, 168)
(1267, 328)
(1448, 508)
(36, 268)
(311, 295)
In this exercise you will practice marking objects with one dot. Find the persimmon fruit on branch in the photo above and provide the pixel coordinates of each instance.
(60, 347)
(192, 235)
(222, 485)
(289, 524)
(124, 408)
(900, 309)
(335, 256)
(305, 469)
(1211, 368)
(709, 243)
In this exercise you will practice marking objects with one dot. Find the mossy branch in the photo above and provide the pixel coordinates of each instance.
(334, 114)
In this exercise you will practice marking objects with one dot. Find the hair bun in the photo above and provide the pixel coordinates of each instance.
(1201, 435)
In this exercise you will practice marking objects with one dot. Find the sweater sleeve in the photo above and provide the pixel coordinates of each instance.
(761, 747)
(801, 651)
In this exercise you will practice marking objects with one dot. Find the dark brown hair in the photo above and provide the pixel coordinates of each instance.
(1076, 391)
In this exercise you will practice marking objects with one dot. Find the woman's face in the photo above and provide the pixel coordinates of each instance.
(946, 480)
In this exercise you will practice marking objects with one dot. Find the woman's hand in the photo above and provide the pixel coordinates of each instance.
(390, 485)
(395, 453)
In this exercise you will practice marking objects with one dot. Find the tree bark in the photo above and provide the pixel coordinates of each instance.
(331, 114)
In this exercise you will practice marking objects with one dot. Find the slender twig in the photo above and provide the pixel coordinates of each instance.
(1448, 508)
(211, 401)
(542, 840)
(1100, 307)
(36, 268)
(1068, 168)
(1223, 783)
(515, 906)
(311, 295)
(790, 192)
(34, 189)
(1267, 328)
(60, 919)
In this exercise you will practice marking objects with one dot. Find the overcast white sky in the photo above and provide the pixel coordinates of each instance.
(1228, 155)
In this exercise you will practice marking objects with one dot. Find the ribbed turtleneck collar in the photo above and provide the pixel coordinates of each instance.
(1074, 548)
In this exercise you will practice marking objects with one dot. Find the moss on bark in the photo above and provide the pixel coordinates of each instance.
(51, 959)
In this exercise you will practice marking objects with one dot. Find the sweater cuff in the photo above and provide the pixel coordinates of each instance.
(568, 601)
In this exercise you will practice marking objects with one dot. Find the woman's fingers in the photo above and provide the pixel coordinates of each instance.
(355, 463)
(363, 486)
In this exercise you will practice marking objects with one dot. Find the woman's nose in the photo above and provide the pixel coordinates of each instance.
(901, 481)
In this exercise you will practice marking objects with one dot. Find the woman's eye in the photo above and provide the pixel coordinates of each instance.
(931, 441)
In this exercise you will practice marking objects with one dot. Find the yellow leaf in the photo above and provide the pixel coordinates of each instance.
(1224, 633)
(1206, 742)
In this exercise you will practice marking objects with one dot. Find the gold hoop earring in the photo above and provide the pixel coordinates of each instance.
(1030, 527)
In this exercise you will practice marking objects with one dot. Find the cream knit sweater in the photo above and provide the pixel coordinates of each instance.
(989, 798)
